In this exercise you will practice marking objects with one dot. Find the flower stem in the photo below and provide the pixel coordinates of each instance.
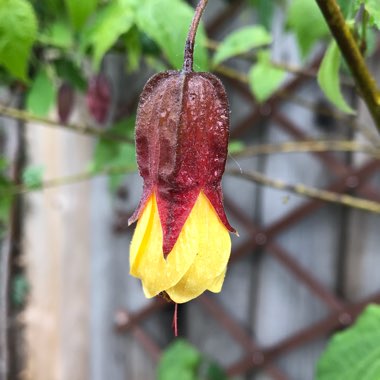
(190, 41)
(351, 53)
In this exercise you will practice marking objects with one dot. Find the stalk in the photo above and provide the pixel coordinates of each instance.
(190, 40)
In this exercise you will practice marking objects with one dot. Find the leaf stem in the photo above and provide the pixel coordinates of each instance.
(354, 59)
(190, 41)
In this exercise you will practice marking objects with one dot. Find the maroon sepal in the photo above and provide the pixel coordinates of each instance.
(98, 97)
(182, 131)
(65, 102)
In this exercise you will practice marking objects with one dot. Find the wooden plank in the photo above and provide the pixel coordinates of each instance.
(362, 253)
(57, 254)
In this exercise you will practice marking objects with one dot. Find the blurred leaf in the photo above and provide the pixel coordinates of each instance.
(373, 9)
(134, 50)
(108, 25)
(241, 41)
(49, 7)
(58, 35)
(183, 361)
(70, 72)
(235, 146)
(18, 31)
(79, 11)
(6, 196)
(179, 361)
(307, 22)
(167, 23)
(264, 79)
(155, 63)
(20, 289)
(329, 78)
(347, 7)
(41, 95)
(265, 10)
(354, 354)
(149, 47)
(32, 176)
(112, 154)
(213, 371)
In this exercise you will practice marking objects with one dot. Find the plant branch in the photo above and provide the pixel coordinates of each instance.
(300, 189)
(308, 146)
(27, 117)
(68, 180)
(292, 69)
(324, 195)
(354, 59)
(371, 136)
(190, 41)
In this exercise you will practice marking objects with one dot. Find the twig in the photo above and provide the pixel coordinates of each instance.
(308, 146)
(323, 195)
(354, 59)
(189, 46)
(17, 114)
(292, 69)
(243, 78)
(68, 180)
(231, 73)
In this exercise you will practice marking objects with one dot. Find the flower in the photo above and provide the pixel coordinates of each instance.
(181, 244)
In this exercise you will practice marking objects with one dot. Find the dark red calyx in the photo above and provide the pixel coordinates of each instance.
(182, 131)
(65, 102)
(98, 98)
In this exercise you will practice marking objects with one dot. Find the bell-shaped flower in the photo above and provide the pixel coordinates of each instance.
(181, 244)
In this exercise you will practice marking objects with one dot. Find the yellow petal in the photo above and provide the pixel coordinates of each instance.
(146, 257)
(217, 284)
(197, 262)
(214, 246)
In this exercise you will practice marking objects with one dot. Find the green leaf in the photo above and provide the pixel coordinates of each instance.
(167, 23)
(41, 96)
(57, 34)
(6, 197)
(347, 7)
(70, 72)
(241, 41)
(213, 371)
(110, 154)
(110, 23)
(329, 79)
(32, 176)
(18, 31)
(264, 79)
(373, 9)
(235, 146)
(306, 20)
(354, 354)
(79, 11)
(179, 361)
(134, 49)
(20, 288)
(265, 10)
